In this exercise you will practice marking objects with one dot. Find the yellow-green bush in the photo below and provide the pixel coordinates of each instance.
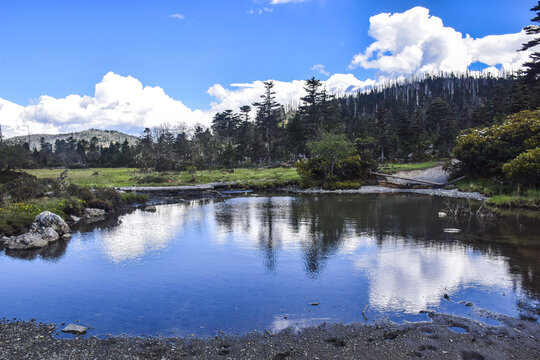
(484, 151)
(525, 168)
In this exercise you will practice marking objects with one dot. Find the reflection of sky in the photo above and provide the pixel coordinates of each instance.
(410, 277)
(142, 232)
(402, 275)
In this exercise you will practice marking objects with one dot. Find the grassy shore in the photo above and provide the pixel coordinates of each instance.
(107, 177)
(502, 195)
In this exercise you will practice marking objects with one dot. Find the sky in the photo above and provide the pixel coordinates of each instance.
(125, 65)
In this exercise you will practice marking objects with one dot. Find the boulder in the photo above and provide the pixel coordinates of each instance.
(46, 228)
(49, 220)
(150, 208)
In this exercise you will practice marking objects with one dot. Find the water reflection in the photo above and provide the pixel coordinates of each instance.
(399, 243)
(142, 232)
(246, 263)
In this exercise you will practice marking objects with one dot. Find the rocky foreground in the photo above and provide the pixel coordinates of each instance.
(515, 339)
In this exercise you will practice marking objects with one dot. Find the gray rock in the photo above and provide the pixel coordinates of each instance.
(66, 236)
(49, 220)
(32, 239)
(74, 329)
(150, 209)
(46, 228)
(75, 218)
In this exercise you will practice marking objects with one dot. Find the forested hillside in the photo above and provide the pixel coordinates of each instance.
(103, 138)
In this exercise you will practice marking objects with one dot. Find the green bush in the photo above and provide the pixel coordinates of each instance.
(20, 186)
(150, 179)
(525, 168)
(353, 167)
(312, 169)
(484, 151)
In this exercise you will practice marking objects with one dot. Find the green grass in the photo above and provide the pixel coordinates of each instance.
(106, 177)
(501, 195)
(488, 187)
(392, 168)
(16, 217)
(527, 199)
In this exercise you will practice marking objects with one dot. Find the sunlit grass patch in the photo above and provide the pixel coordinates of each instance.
(105, 177)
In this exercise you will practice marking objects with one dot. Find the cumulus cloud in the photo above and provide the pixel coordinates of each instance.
(288, 93)
(416, 42)
(119, 102)
(321, 69)
(177, 16)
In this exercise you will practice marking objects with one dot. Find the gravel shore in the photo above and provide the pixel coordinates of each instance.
(514, 339)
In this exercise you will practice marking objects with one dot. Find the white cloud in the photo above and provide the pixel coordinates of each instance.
(119, 102)
(287, 93)
(177, 16)
(321, 69)
(415, 42)
(123, 103)
(260, 11)
(275, 2)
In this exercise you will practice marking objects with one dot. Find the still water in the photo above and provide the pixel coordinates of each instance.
(252, 263)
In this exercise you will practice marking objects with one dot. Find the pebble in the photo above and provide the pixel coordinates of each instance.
(74, 329)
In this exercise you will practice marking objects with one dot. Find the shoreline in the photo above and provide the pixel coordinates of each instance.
(515, 338)
(366, 189)
(375, 189)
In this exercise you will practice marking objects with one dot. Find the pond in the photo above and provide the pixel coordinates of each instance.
(253, 262)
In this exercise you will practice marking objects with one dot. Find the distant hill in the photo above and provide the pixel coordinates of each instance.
(104, 137)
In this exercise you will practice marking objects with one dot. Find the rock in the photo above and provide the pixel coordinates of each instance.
(314, 304)
(74, 329)
(446, 297)
(469, 304)
(66, 236)
(49, 220)
(150, 209)
(46, 228)
(451, 230)
(93, 215)
(75, 218)
(31, 240)
(442, 214)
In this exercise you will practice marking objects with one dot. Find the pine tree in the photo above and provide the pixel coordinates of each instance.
(531, 77)
(269, 116)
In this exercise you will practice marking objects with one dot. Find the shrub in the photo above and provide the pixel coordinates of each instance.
(485, 150)
(148, 179)
(80, 192)
(21, 186)
(525, 168)
(353, 167)
(312, 169)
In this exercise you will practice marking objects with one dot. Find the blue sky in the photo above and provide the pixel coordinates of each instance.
(58, 48)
